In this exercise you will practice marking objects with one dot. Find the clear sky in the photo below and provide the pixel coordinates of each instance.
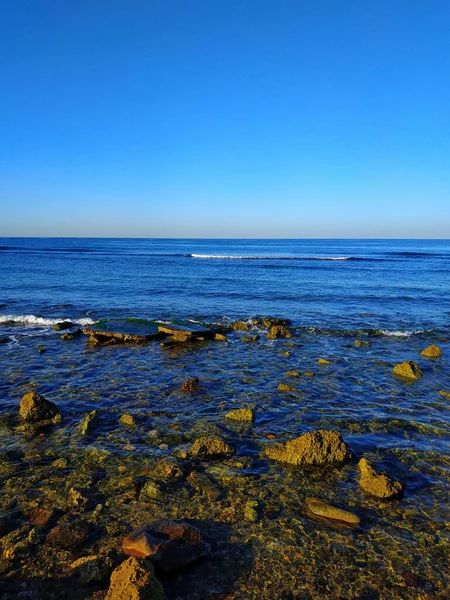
(225, 118)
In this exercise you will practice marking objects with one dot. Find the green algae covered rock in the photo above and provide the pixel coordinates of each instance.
(241, 414)
(34, 408)
(432, 351)
(135, 579)
(210, 447)
(63, 325)
(327, 511)
(376, 484)
(408, 370)
(318, 447)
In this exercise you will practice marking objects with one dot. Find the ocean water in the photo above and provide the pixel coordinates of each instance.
(395, 295)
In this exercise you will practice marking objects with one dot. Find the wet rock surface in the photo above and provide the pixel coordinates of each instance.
(34, 408)
(314, 448)
(135, 579)
(322, 509)
(376, 484)
(432, 351)
(408, 370)
(210, 447)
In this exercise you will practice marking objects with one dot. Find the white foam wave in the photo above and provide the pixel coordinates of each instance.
(400, 333)
(42, 321)
(267, 257)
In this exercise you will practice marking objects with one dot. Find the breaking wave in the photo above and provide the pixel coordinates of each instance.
(41, 321)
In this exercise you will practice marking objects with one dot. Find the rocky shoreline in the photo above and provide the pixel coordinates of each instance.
(220, 510)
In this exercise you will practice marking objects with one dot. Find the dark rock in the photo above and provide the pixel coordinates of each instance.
(191, 386)
(42, 349)
(71, 335)
(69, 536)
(180, 333)
(63, 325)
(34, 407)
(210, 447)
(168, 544)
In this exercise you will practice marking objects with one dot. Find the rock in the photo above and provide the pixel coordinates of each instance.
(241, 326)
(293, 373)
(42, 349)
(317, 507)
(71, 335)
(220, 337)
(251, 511)
(361, 344)
(4, 340)
(168, 469)
(152, 490)
(376, 484)
(19, 550)
(250, 338)
(63, 325)
(60, 463)
(277, 331)
(308, 374)
(241, 414)
(272, 321)
(34, 537)
(76, 498)
(92, 569)
(134, 579)
(314, 448)
(89, 422)
(40, 516)
(179, 333)
(324, 362)
(432, 351)
(191, 386)
(408, 370)
(445, 394)
(204, 486)
(68, 536)
(285, 387)
(34, 407)
(127, 420)
(210, 447)
(110, 337)
(168, 544)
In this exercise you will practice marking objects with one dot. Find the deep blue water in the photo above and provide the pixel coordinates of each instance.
(395, 285)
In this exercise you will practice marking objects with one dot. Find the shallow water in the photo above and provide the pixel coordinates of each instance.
(401, 548)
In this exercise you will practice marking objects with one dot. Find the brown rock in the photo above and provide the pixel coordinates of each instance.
(376, 484)
(179, 333)
(110, 337)
(68, 536)
(285, 387)
(361, 344)
(168, 544)
(314, 448)
(432, 351)
(322, 509)
(135, 579)
(241, 326)
(34, 407)
(210, 447)
(408, 370)
(277, 331)
(293, 373)
(191, 386)
(324, 362)
(40, 516)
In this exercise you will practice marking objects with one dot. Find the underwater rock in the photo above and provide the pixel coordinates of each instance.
(191, 386)
(34, 407)
(376, 484)
(89, 422)
(308, 374)
(167, 469)
(361, 344)
(18, 550)
(322, 509)
(92, 569)
(445, 394)
(42, 349)
(71, 335)
(204, 486)
(76, 498)
(432, 351)
(4, 340)
(408, 370)
(63, 325)
(324, 362)
(318, 447)
(68, 536)
(220, 337)
(127, 420)
(285, 387)
(273, 321)
(110, 337)
(251, 511)
(168, 544)
(179, 333)
(135, 579)
(278, 331)
(241, 326)
(250, 338)
(40, 516)
(241, 414)
(210, 447)
(152, 490)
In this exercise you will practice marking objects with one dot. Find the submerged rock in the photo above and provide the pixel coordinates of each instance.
(204, 486)
(135, 579)
(241, 414)
(89, 422)
(168, 544)
(127, 420)
(271, 321)
(110, 337)
(285, 387)
(191, 386)
(179, 333)
(71, 335)
(432, 351)
(376, 484)
(250, 338)
(293, 373)
(361, 344)
(322, 509)
(314, 448)
(408, 370)
(34, 408)
(68, 536)
(63, 325)
(241, 326)
(210, 447)
(445, 394)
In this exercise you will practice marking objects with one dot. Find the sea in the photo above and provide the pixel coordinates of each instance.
(392, 295)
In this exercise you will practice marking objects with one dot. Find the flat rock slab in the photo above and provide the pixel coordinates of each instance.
(182, 333)
(168, 544)
(97, 336)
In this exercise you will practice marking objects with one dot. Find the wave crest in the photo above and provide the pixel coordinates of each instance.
(42, 321)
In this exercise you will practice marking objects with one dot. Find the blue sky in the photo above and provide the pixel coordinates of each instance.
(225, 118)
